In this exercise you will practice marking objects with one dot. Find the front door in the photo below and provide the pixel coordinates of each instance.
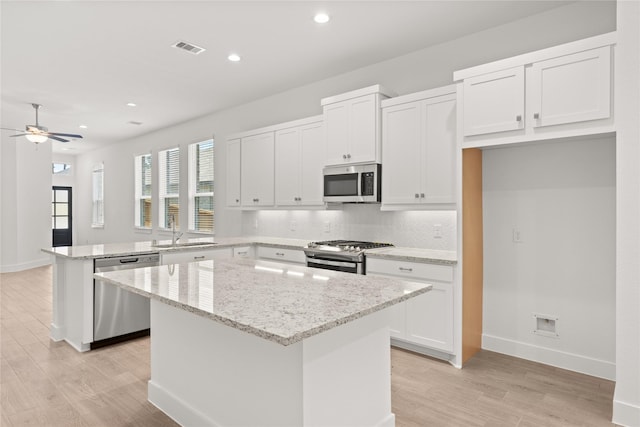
(61, 216)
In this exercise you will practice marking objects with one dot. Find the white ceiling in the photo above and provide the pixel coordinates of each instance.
(85, 60)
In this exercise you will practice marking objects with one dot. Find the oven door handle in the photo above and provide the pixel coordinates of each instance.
(332, 263)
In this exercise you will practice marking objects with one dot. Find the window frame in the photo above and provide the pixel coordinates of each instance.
(138, 191)
(97, 200)
(193, 193)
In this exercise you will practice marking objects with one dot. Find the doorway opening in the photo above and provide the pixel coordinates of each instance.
(61, 219)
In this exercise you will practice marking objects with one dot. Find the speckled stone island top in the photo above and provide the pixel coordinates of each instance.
(279, 302)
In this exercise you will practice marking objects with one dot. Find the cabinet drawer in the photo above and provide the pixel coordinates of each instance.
(243, 252)
(410, 270)
(279, 254)
(194, 256)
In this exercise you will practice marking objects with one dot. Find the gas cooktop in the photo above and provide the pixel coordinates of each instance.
(347, 245)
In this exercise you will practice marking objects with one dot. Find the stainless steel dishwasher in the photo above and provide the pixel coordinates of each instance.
(119, 315)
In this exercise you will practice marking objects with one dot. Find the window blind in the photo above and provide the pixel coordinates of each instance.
(142, 166)
(169, 191)
(97, 178)
(201, 195)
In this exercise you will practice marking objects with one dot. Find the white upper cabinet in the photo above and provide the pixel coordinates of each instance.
(352, 126)
(233, 172)
(571, 88)
(559, 92)
(299, 159)
(494, 102)
(419, 146)
(257, 170)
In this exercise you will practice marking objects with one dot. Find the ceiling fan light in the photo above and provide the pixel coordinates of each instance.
(36, 138)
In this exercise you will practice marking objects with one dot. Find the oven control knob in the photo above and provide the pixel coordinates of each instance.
(357, 248)
(352, 248)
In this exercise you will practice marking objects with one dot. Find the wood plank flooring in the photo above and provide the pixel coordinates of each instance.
(43, 383)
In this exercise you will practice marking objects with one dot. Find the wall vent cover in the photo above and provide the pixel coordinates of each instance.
(545, 325)
(188, 47)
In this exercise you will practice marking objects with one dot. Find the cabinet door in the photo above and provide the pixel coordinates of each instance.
(233, 172)
(439, 150)
(178, 257)
(401, 141)
(312, 157)
(571, 88)
(336, 132)
(287, 172)
(430, 318)
(363, 131)
(257, 170)
(494, 102)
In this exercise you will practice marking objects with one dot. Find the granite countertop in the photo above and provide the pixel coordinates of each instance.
(431, 256)
(279, 302)
(139, 248)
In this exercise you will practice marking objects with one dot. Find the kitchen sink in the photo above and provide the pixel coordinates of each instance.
(182, 245)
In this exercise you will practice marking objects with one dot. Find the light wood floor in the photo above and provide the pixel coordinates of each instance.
(43, 383)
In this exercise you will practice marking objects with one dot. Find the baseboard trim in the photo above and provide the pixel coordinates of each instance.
(570, 361)
(437, 354)
(176, 408)
(625, 414)
(13, 268)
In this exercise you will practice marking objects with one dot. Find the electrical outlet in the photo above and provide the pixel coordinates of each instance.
(327, 227)
(437, 231)
(255, 224)
(517, 235)
(293, 225)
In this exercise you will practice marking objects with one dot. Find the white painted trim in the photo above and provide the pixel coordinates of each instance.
(419, 96)
(12, 268)
(375, 89)
(81, 348)
(625, 414)
(176, 408)
(56, 333)
(436, 354)
(277, 127)
(539, 55)
(390, 421)
(560, 359)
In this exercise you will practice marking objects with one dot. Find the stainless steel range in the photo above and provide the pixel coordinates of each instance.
(340, 255)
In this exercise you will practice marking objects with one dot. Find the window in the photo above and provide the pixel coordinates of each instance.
(142, 169)
(169, 194)
(98, 196)
(201, 186)
(61, 169)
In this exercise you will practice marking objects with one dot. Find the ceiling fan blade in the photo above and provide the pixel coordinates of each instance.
(68, 135)
(57, 138)
(20, 134)
(15, 130)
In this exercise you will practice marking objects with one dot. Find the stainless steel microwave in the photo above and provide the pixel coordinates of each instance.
(352, 184)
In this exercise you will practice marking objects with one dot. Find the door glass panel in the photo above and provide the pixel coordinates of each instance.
(61, 196)
(62, 222)
(62, 209)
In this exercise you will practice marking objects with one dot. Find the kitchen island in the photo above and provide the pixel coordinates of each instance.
(246, 342)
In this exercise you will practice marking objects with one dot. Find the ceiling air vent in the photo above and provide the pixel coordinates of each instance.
(191, 48)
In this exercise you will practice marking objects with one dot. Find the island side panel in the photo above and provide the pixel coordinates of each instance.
(57, 331)
(206, 373)
(347, 374)
(78, 303)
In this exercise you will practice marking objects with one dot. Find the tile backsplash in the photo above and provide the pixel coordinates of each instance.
(419, 229)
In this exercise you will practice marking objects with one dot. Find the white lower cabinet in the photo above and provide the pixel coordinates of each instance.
(293, 256)
(243, 252)
(194, 256)
(426, 320)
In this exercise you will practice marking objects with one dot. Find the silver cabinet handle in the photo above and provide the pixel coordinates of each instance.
(237, 200)
(242, 253)
(344, 156)
(348, 156)
(279, 254)
(536, 115)
(405, 269)
(422, 195)
(518, 118)
(417, 196)
(199, 257)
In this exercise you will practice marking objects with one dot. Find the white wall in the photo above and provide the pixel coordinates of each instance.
(26, 204)
(417, 71)
(561, 197)
(626, 402)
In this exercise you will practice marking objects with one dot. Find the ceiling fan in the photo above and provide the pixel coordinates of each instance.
(36, 133)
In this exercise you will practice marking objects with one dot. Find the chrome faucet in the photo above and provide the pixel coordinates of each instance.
(174, 238)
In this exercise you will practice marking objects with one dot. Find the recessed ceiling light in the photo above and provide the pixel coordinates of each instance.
(130, 104)
(83, 126)
(321, 18)
(234, 57)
